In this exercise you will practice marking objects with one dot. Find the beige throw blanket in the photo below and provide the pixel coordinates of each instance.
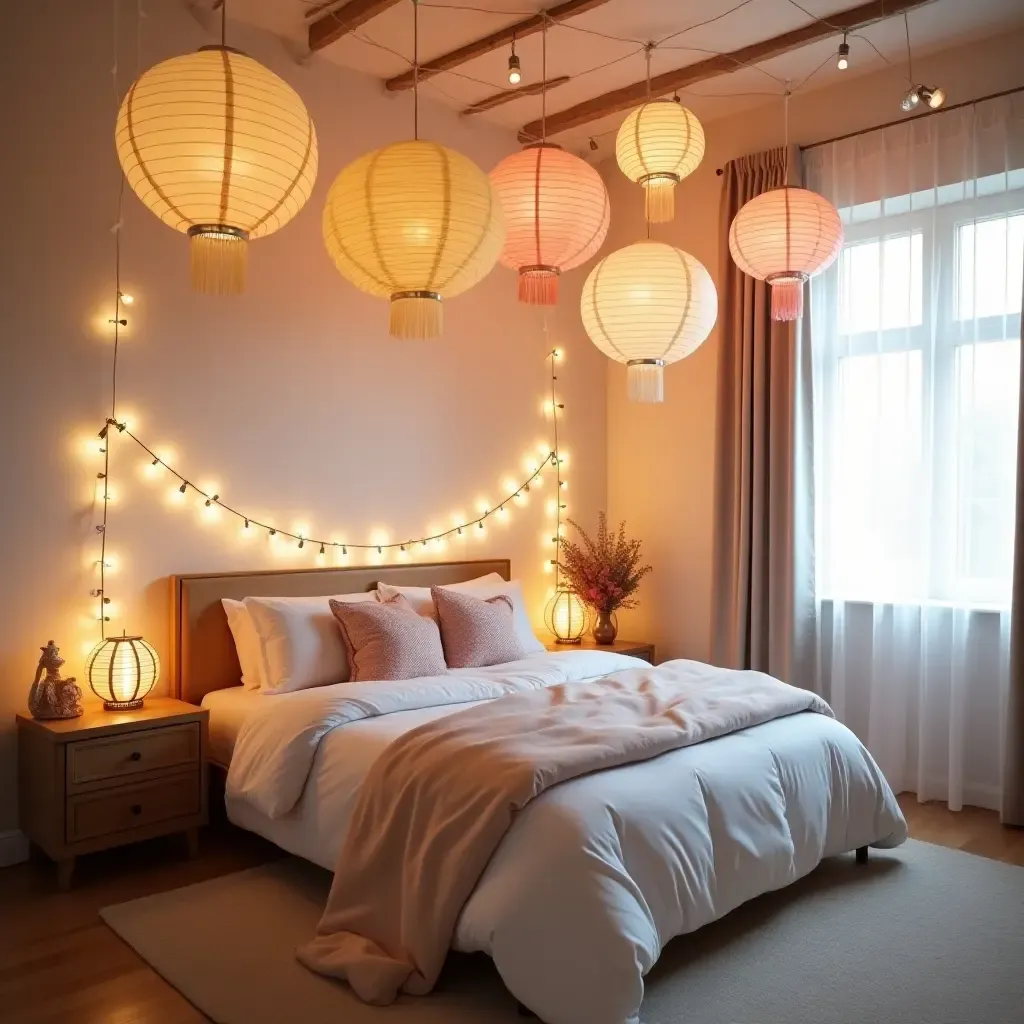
(438, 801)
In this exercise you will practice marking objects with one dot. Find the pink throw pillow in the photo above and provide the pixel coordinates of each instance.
(389, 641)
(476, 632)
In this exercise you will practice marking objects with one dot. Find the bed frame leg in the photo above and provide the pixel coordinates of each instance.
(524, 1011)
(862, 855)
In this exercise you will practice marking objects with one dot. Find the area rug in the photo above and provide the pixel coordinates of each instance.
(919, 935)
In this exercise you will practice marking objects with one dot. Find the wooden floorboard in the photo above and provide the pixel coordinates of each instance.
(59, 963)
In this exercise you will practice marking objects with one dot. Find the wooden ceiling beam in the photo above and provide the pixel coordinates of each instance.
(630, 95)
(334, 24)
(496, 40)
(508, 95)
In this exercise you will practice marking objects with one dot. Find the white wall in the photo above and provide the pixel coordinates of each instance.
(291, 398)
(661, 458)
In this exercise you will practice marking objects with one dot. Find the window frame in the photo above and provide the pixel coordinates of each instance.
(939, 338)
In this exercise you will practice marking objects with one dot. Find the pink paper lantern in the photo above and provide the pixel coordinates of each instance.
(556, 216)
(785, 237)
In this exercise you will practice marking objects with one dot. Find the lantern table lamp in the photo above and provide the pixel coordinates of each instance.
(121, 671)
(785, 236)
(566, 616)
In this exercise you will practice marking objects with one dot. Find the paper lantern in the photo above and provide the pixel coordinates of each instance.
(121, 670)
(659, 144)
(647, 305)
(220, 148)
(566, 616)
(417, 223)
(556, 216)
(786, 236)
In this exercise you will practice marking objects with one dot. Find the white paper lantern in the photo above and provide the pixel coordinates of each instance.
(647, 305)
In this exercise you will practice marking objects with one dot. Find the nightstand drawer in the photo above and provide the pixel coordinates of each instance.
(126, 755)
(128, 807)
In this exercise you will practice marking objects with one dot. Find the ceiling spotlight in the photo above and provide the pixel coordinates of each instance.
(912, 99)
(843, 58)
(933, 97)
(593, 144)
(515, 71)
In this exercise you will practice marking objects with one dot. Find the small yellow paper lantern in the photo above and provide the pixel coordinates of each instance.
(218, 147)
(121, 671)
(414, 222)
(566, 616)
(647, 305)
(659, 144)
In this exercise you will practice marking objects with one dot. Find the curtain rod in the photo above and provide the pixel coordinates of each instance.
(905, 120)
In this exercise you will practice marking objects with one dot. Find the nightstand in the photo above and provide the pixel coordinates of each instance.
(633, 647)
(112, 777)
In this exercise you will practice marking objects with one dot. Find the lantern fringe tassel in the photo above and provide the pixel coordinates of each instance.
(218, 263)
(538, 289)
(660, 201)
(416, 317)
(787, 299)
(645, 382)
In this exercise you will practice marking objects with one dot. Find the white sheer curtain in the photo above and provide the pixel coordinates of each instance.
(916, 351)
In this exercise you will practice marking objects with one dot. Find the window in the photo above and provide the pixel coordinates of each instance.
(917, 378)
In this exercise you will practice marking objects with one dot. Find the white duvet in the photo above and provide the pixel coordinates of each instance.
(597, 874)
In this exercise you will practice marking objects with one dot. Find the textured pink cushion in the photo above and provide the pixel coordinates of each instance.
(476, 632)
(389, 640)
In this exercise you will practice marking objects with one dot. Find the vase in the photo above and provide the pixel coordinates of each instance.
(606, 628)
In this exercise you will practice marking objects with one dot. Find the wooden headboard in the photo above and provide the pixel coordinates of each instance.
(203, 655)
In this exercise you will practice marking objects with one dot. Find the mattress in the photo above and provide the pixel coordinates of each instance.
(228, 711)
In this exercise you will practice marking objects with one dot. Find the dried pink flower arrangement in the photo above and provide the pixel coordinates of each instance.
(604, 572)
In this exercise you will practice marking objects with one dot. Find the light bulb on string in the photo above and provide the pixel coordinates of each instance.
(843, 56)
(515, 71)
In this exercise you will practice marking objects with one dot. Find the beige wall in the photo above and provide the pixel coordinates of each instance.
(291, 398)
(661, 458)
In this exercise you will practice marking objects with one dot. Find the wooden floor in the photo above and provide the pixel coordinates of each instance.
(60, 963)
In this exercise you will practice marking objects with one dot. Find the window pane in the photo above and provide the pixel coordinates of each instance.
(987, 385)
(990, 267)
(880, 284)
(879, 495)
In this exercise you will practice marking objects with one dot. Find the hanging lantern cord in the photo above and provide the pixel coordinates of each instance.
(416, 69)
(785, 128)
(648, 49)
(544, 78)
(223, 22)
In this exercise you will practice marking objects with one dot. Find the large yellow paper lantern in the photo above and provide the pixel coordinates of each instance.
(121, 670)
(220, 148)
(659, 144)
(648, 305)
(556, 215)
(786, 236)
(416, 223)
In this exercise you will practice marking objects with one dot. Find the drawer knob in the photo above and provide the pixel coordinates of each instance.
(136, 808)
(135, 755)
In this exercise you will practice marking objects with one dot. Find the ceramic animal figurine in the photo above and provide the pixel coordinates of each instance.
(53, 697)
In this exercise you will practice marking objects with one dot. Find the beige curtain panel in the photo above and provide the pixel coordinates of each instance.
(1013, 758)
(763, 579)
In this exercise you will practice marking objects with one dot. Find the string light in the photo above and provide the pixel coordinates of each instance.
(214, 503)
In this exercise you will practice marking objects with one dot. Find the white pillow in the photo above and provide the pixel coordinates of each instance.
(247, 643)
(300, 642)
(483, 587)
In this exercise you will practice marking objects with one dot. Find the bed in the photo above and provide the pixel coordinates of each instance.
(597, 874)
